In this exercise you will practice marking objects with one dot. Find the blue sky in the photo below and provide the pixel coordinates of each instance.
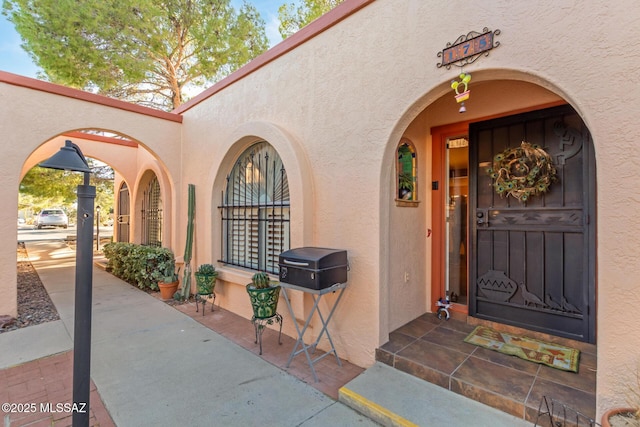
(15, 60)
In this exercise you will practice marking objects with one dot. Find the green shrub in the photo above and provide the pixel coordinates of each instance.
(143, 266)
(116, 254)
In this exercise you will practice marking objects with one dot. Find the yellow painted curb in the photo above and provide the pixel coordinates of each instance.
(373, 410)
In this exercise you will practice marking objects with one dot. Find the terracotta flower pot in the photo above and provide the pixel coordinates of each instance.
(611, 412)
(167, 289)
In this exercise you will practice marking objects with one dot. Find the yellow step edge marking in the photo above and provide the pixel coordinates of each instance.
(376, 410)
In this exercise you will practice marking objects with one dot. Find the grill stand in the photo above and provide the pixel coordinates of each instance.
(304, 348)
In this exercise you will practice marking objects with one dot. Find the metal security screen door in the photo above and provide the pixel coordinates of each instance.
(122, 222)
(152, 215)
(255, 210)
(532, 261)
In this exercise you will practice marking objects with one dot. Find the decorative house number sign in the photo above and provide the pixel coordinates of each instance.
(467, 48)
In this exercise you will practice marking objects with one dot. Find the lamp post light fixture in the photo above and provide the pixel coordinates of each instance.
(70, 158)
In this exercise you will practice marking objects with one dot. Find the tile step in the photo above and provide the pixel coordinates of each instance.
(394, 398)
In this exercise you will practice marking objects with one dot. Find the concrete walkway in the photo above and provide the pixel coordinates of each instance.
(153, 365)
(34, 342)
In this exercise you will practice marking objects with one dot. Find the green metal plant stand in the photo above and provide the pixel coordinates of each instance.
(260, 324)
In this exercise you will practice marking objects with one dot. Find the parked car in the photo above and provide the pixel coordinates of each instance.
(52, 218)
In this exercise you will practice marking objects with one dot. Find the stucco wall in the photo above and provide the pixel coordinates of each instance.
(335, 109)
(30, 118)
(347, 97)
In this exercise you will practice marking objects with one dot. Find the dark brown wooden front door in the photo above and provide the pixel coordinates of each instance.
(532, 262)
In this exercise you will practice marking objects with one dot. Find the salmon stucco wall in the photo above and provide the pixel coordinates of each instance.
(31, 116)
(348, 95)
(336, 107)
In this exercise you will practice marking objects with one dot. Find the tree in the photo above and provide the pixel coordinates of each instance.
(150, 52)
(293, 18)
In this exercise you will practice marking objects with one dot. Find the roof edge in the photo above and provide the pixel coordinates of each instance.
(323, 23)
(40, 85)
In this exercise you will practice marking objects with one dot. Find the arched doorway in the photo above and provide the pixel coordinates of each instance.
(526, 260)
(124, 213)
(479, 240)
(152, 213)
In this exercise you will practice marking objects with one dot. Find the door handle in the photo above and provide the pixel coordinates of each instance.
(482, 218)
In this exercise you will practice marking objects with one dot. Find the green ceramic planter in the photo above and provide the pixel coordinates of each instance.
(205, 283)
(264, 301)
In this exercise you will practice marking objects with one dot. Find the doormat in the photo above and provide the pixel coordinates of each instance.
(553, 355)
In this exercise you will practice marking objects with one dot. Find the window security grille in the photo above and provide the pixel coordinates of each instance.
(152, 215)
(255, 210)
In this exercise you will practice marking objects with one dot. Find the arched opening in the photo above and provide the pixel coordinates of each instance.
(151, 212)
(472, 239)
(109, 155)
(436, 251)
(468, 202)
(53, 194)
(255, 210)
(123, 213)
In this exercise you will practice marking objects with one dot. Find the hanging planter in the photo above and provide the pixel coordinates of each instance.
(522, 172)
(464, 95)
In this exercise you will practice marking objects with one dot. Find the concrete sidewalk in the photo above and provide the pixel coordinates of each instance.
(154, 365)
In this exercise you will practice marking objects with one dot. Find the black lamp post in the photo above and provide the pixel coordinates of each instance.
(70, 158)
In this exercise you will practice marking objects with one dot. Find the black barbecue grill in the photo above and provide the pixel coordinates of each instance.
(313, 268)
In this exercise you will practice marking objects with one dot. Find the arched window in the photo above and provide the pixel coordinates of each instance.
(255, 211)
(407, 169)
(152, 214)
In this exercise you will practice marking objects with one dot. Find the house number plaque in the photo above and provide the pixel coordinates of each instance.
(467, 48)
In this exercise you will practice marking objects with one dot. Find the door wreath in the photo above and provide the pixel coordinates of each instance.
(522, 172)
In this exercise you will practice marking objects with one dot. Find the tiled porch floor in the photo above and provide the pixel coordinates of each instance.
(331, 377)
(434, 350)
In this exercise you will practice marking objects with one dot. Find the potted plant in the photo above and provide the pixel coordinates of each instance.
(405, 185)
(168, 284)
(627, 417)
(206, 279)
(264, 296)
